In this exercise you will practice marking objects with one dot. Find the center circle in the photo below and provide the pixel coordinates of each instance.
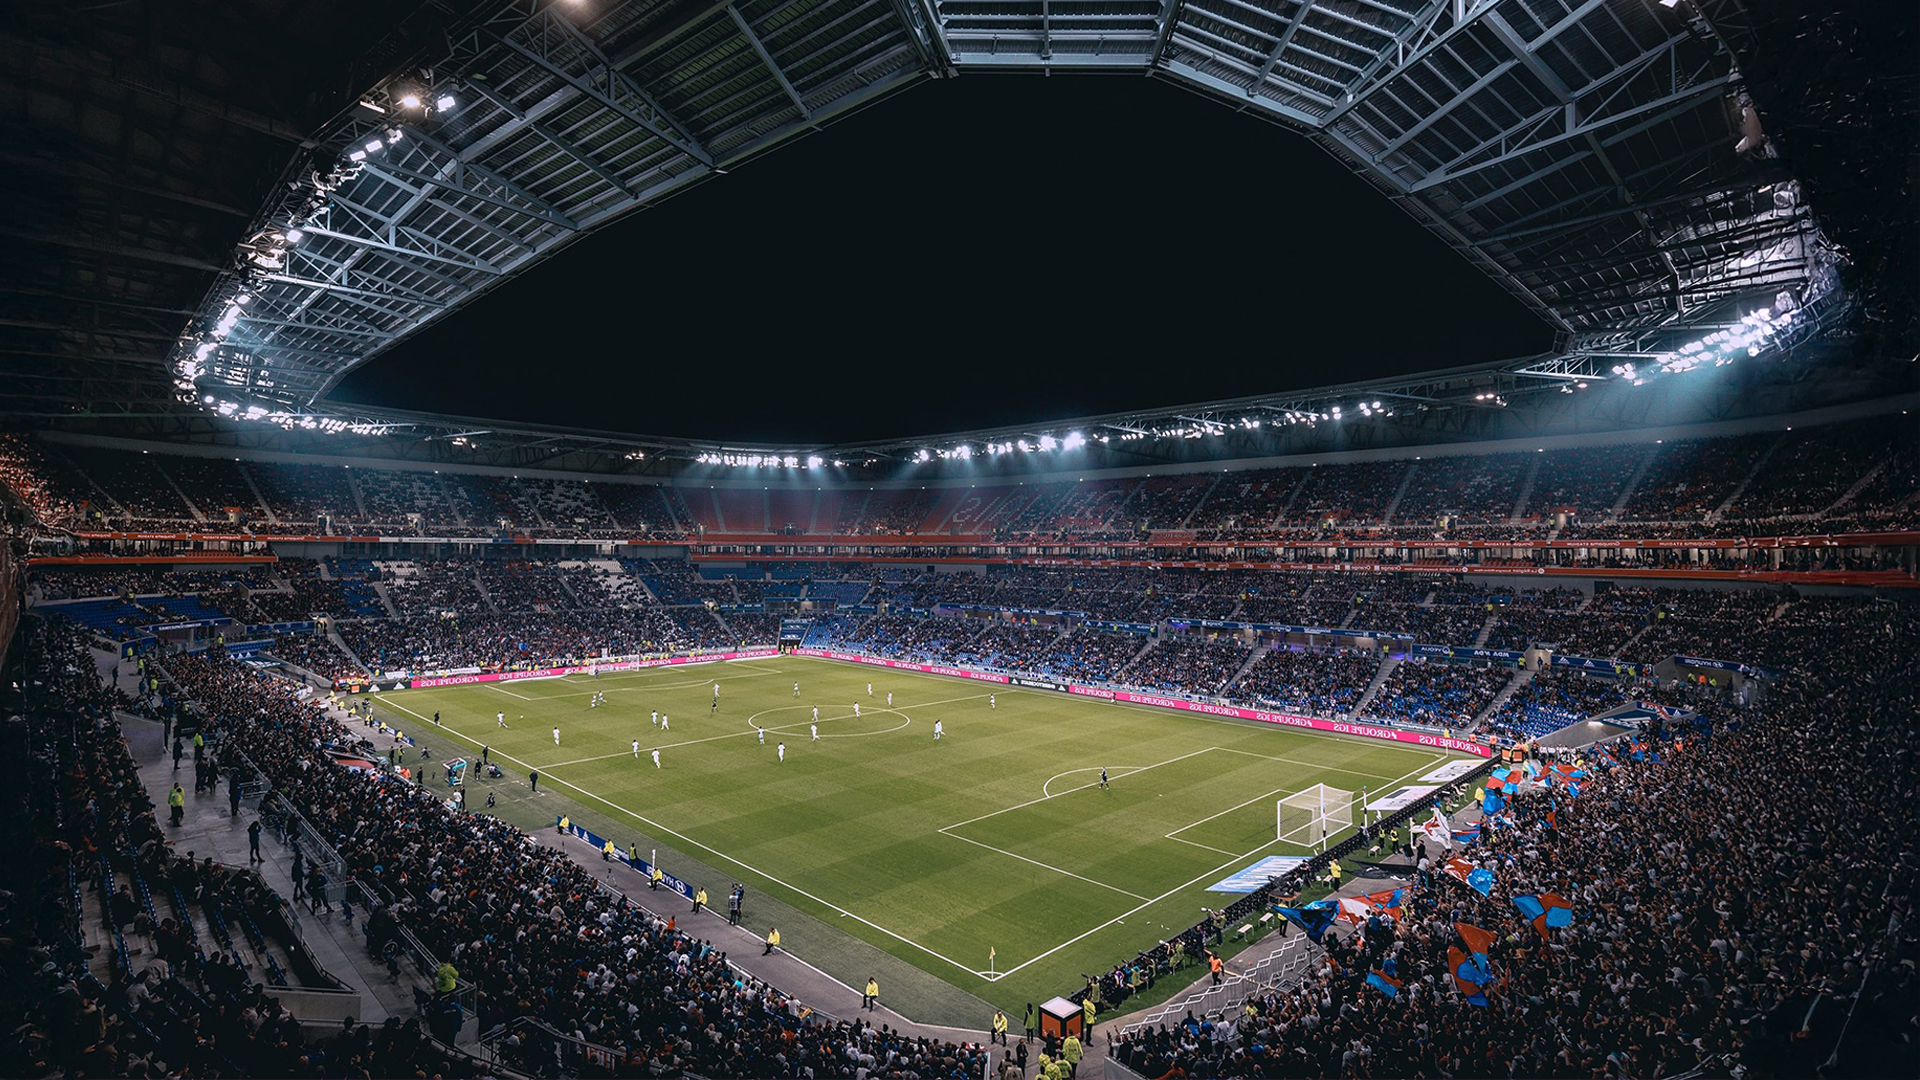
(833, 724)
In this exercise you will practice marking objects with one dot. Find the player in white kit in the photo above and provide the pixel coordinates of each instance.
(556, 736)
(656, 759)
(937, 731)
(636, 749)
(500, 718)
(783, 751)
(656, 718)
(856, 710)
(889, 699)
(815, 728)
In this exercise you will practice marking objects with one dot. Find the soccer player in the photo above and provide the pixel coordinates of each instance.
(816, 714)
(636, 749)
(796, 689)
(869, 689)
(1103, 779)
(716, 691)
(815, 728)
(656, 718)
(763, 734)
(937, 731)
(889, 699)
(556, 736)
(991, 703)
(500, 718)
(656, 757)
(713, 708)
(781, 750)
(856, 710)
(663, 721)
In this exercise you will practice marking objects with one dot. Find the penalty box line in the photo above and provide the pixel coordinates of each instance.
(996, 976)
(691, 842)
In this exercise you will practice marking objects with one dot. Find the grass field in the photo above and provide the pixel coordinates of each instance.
(997, 836)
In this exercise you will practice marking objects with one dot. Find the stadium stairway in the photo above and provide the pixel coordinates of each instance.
(1486, 631)
(1393, 504)
(333, 635)
(1526, 491)
(1633, 482)
(386, 598)
(1858, 486)
(1252, 659)
(337, 947)
(1733, 497)
(1379, 679)
(1521, 677)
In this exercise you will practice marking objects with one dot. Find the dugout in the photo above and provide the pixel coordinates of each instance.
(1061, 1018)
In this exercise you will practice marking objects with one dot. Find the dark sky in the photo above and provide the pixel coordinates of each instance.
(970, 252)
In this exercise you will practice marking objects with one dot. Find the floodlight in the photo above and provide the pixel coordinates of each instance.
(1073, 441)
(411, 101)
(813, 462)
(294, 236)
(445, 103)
(357, 155)
(923, 455)
(374, 145)
(1047, 442)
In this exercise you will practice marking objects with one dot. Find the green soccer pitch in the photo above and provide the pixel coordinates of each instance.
(996, 837)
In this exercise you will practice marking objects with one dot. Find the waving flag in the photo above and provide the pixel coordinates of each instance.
(1467, 835)
(1479, 942)
(1314, 918)
(1493, 803)
(1545, 910)
(1470, 975)
(1457, 868)
(1384, 982)
(1439, 829)
(1481, 881)
(1358, 909)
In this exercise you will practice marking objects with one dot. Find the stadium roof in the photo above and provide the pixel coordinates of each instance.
(1601, 159)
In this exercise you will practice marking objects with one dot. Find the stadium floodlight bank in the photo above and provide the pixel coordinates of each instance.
(1311, 818)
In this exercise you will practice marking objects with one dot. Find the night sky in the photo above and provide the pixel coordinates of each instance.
(967, 253)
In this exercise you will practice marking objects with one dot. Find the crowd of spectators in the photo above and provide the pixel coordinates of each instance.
(1736, 896)
(1325, 684)
(1437, 693)
(531, 929)
(1770, 483)
(179, 1006)
(1188, 665)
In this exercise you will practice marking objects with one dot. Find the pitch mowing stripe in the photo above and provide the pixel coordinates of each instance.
(991, 976)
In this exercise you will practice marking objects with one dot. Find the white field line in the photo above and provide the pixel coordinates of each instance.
(996, 976)
(1228, 810)
(1431, 759)
(1197, 844)
(1046, 866)
(497, 688)
(692, 843)
(1069, 791)
(1295, 761)
(1120, 770)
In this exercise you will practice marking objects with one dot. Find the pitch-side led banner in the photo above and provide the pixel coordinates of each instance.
(611, 666)
(903, 665)
(1339, 727)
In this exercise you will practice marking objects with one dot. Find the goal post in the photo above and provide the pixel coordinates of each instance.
(1310, 818)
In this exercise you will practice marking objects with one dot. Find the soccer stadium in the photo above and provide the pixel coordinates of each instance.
(960, 538)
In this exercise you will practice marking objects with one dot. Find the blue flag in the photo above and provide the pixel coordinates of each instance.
(1481, 881)
(1314, 918)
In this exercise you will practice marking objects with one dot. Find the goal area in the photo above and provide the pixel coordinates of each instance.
(1310, 818)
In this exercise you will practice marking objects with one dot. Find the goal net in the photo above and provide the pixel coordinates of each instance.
(1314, 816)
